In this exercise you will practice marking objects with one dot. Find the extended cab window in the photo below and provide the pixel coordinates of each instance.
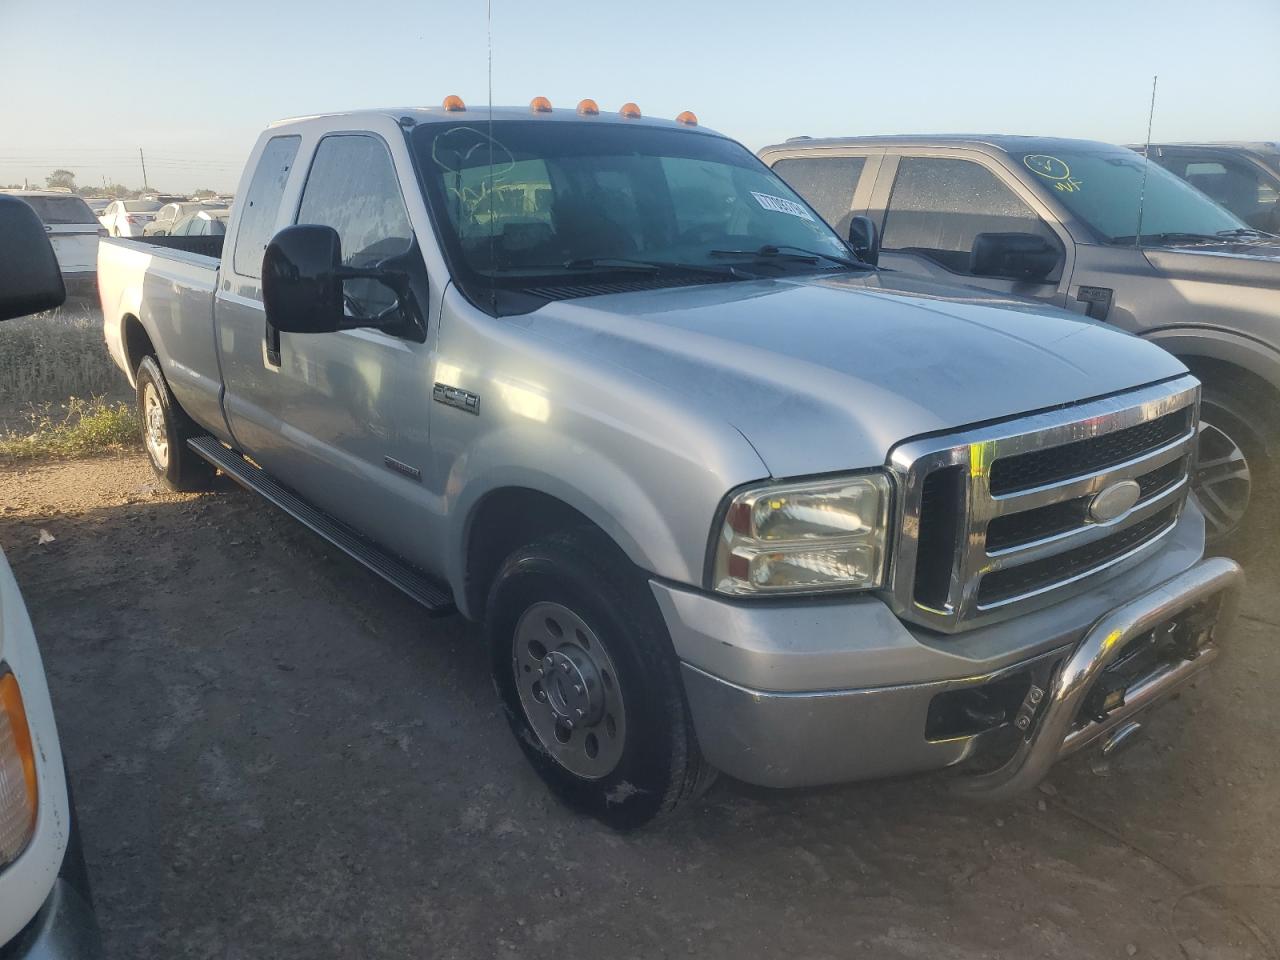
(939, 205)
(352, 187)
(262, 204)
(827, 183)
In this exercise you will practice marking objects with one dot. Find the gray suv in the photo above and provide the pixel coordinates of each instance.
(1058, 221)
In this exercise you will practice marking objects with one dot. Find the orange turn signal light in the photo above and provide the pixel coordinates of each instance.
(453, 104)
(688, 118)
(540, 105)
(630, 111)
(588, 108)
(13, 716)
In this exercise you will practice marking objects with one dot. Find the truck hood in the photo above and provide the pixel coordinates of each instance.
(1251, 263)
(828, 373)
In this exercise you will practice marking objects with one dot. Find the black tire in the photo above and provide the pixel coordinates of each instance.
(1237, 482)
(173, 461)
(657, 766)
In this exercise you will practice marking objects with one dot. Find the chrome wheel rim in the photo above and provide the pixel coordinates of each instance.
(1222, 481)
(568, 688)
(153, 426)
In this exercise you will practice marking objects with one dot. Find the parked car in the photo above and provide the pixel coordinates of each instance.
(725, 496)
(128, 218)
(1243, 177)
(73, 230)
(1057, 221)
(167, 216)
(98, 204)
(202, 223)
(45, 905)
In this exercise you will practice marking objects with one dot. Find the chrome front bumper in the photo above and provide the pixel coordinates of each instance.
(797, 737)
(1051, 731)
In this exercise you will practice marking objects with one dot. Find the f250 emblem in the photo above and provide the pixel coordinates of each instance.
(1115, 501)
(456, 397)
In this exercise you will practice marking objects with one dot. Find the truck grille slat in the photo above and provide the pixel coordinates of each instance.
(996, 520)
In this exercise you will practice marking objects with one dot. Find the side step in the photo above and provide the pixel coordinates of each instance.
(399, 573)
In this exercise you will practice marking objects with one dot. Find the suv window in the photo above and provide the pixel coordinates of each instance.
(1240, 187)
(827, 183)
(262, 204)
(352, 187)
(939, 205)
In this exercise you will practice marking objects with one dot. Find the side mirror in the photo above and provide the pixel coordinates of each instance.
(1013, 256)
(301, 282)
(30, 279)
(865, 239)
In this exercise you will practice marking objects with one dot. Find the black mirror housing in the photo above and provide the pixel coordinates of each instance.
(301, 280)
(30, 278)
(1013, 256)
(864, 238)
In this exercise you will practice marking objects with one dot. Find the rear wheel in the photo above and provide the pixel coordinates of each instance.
(165, 431)
(1236, 476)
(583, 664)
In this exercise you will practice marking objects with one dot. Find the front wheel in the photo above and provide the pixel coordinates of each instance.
(1236, 475)
(165, 431)
(584, 668)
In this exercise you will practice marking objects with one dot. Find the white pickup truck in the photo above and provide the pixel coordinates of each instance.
(726, 495)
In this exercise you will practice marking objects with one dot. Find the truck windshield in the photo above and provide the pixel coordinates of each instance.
(563, 200)
(1102, 188)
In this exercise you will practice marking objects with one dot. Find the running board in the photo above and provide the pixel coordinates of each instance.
(399, 573)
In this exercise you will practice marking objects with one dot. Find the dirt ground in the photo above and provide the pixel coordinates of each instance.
(276, 755)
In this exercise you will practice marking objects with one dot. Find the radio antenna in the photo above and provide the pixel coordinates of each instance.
(493, 243)
(1146, 162)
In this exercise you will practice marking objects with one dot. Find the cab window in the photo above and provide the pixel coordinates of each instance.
(827, 183)
(352, 187)
(938, 206)
(262, 204)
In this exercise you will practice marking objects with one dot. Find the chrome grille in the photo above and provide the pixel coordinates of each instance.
(995, 520)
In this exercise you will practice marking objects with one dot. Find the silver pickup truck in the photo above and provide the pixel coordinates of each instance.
(725, 496)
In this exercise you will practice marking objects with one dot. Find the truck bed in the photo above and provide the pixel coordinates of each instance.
(160, 289)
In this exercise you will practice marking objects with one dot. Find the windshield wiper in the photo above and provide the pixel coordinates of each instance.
(1245, 233)
(787, 251)
(1172, 237)
(639, 266)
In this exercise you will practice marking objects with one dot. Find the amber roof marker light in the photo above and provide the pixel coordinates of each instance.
(453, 104)
(539, 105)
(630, 111)
(588, 108)
(688, 118)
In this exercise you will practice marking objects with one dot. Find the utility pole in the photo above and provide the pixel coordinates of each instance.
(144, 168)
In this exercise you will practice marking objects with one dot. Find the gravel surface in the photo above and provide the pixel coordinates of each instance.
(276, 755)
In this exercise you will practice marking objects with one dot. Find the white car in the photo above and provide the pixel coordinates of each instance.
(128, 218)
(202, 223)
(46, 912)
(73, 230)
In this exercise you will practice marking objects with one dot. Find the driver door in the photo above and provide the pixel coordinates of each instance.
(931, 209)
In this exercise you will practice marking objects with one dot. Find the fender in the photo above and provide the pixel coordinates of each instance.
(1213, 343)
(645, 521)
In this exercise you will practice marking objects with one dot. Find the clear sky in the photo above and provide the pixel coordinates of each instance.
(87, 83)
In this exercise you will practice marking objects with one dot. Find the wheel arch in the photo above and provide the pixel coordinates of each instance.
(508, 516)
(136, 343)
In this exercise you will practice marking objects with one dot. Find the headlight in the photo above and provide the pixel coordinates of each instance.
(17, 772)
(804, 537)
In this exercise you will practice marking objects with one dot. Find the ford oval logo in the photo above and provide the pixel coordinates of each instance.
(1115, 501)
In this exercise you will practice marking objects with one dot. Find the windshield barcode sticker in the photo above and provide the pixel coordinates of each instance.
(782, 205)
